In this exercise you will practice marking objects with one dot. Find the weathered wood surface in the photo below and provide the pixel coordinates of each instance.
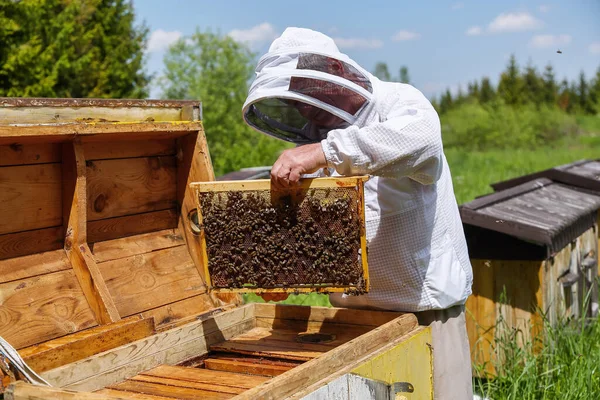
(129, 225)
(31, 197)
(130, 395)
(130, 186)
(312, 326)
(206, 376)
(334, 360)
(146, 281)
(185, 383)
(41, 308)
(246, 367)
(169, 347)
(32, 265)
(39, 153)
(265, 184)
(128, 149)
(158, 389)
(172, 315)
(80, 345)
(24, 391)
(136, 244)
(30, 242)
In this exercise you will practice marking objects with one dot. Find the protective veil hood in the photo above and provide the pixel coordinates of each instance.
(305, 87)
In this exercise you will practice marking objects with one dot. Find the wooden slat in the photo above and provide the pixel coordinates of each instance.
(312, 326)
(169, 347)
(129, 225)
(78, 346)
(39, 153)
(211, 387)
(137, 244)
(332, 361)
(33, 265)
(30, 196)
(170, 391)
(246, 367)
(265, 184)
(199, 375)
(168, 316)
(78, 252)
(146, 281)
(130, 395)
(21, 390)
(130, 186)
(325, 314)
(128, 149)
(30, 242)
(269, 349)
(42, 308)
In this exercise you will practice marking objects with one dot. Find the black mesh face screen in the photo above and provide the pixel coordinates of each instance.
(329, 65)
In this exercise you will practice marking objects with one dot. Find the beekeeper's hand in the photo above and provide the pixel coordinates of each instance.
(293, 163)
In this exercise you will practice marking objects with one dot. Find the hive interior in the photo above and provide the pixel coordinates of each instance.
(264, 239)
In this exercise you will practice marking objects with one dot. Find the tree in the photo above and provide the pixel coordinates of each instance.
(382, 72)
(550, 88)
(583, 94)
(58, 48)
(532, 85)
(510, 87)
(473, 90)
(446, 102)
(564, 95)
(404, 78)
(595, 91)
(216, 70)
(486, 93)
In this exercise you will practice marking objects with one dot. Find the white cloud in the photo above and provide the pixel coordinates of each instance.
(405, 35)
(514, 22)
(595, 48)
(161, 40)
(357, 43)
(544, 41)
(544, 8)
(474, 31)
(255, 35)
(458, 5)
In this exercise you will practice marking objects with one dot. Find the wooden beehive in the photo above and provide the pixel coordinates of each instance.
(535, 244)
(102, 285)
(317, 230)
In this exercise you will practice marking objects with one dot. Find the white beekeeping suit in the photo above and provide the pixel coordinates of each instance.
(416, 247)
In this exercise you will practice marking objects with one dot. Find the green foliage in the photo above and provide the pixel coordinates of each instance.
(216, 70)
(309, 299)
(382, 72)
(404, 78)
(60, 48)
(510, 87)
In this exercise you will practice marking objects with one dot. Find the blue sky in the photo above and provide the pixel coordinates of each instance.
(444, 44)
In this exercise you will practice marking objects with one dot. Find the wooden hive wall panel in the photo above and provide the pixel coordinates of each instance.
(42, 308)
(39, 153)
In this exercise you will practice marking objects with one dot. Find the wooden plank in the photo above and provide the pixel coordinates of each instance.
(147, 281)
(265, 184)
(93, 131)
(246, 367)
(130, 186)
(200, 375)
(29, 242)
(129, 225)
(137, 244)
(269, 349)
(130, 395)
(39, 153)
(33, 265)
(169, 315)
(312, 326)
(78, 252)
(333, 361)
(211, 387)
(25, 391)
(169, 347)
(128, 149)
(42, 308)
(325, 314)
(84, 344)
(30, 196)
(158, 389)
(341, 335)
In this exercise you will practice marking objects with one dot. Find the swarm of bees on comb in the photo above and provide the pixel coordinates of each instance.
(307, 241)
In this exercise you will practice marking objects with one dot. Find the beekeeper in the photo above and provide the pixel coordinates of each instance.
(345, 121)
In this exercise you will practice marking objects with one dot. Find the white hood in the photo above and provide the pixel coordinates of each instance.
(304, 70)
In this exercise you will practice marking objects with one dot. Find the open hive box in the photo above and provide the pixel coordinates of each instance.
(102, 280)
(309, 238)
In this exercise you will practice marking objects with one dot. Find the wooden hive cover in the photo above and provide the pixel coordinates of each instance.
(94, 205)
(582, 173)
(538, 214)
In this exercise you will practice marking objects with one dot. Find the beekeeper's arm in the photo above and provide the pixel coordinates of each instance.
(408, 143)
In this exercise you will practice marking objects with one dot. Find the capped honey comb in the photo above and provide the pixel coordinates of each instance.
(310, 238)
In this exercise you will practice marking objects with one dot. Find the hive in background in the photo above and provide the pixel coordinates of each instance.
(310, 238)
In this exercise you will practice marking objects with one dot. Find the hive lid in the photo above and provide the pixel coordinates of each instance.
(582, 173)
(541, 211)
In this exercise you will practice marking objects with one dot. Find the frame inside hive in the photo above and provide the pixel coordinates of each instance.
(307, 239)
